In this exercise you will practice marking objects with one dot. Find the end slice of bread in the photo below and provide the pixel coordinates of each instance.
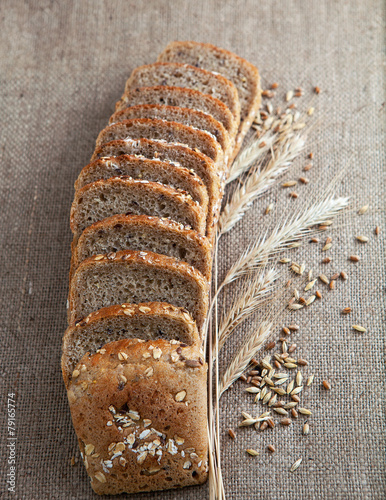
(139, 410)
(147, 321)
(135, 277)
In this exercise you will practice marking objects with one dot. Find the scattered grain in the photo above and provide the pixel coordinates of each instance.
(359, 328)
(270, 345)
(310, 380)
(326, 385)
(306, 429)
(294, 413)
(377, 230)
(346, 310)
(310, 111)
(285, 421)
(308, 167)
(324, 279)
(299, 461)
(318, 294)
(363, 209)
(302, 362)
(326, 247)
(314, 240)
(293, 327)
(289, 184)
(232, 434)
(332, 285)
(343, 275)
(362, 239)
(305, 411)
(271, 448)
(269, 208)
(252, 452)
(293, 194)
(289, 95)
(354, 258)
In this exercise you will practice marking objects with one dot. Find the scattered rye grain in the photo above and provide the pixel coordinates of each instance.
(296, 464)
(280, 411)
(310, 300)
(317, 90)
(377, 230)
(302, 362)
(286, 330)
(318, 294)
(269, 209)
(289, 184)
(326, 247)
(292, 348)
(324, 279)
(252, 452)
(343, 275)
(346, 310)
(285, 421)
(270, 345)
(293, 195)
(332, 285)
(295, 398)
(326, 385)
(310, 155)
(305, 411)
(314, 240)
(297, 390)
(326, 260)
(284, 261)
(271, 448)
(307, 167)
(231, 433)
(362, 239)
(290, 366)
(293, 327)
(359, 328)
(310, 380)
(354, 258)
(299, 378)
(294, 413)
(290, 387)
(363, 209)
(306, 429)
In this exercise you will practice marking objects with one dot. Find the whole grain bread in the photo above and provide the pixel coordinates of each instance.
(166, 131)
(147, 321)
(135, 277)
(144, 233)
(183, 75)
(242, 73)
(182, 98)
(190, 117)
(139, 410)
(124, 195)
(192, 160)
(153, 170)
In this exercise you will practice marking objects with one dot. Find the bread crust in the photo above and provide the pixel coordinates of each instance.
(179, 96)
(130, 313)
(139, 223)
(186, 116)
(186, 51)
(177, 71)
(190, 212)
(144, 261)
(139, 411)
(164, 130)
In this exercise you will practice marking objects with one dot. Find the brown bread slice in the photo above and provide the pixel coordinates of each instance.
(190, 117)
(165, 131)
(242, 73)
(135, 277)
(133, 394)
(147, 321)
(192, 160)
(182, 98)
(144, 233)
(121, 195)
(154, 170)
(183, 75)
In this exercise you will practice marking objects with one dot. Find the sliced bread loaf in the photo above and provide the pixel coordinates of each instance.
(147, 321)
(139, 410)
(135, 277)
(242, 73)
(144, 233)
(154, 170)
(182, 98)
(166, 131)
(190, 117)
(192, 160)
(124, 195)
(183, 75)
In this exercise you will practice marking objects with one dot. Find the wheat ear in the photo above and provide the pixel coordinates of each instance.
(244, 356)
(251, 154)
(253, 294)
(259, 181)
(287, 236)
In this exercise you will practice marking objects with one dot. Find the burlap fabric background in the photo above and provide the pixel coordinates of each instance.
(62, 67)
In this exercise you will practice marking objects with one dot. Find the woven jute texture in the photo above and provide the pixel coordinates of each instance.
(62, 67)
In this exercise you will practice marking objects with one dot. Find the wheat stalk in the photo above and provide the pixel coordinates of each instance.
(252, 295)
(256, 150)
(259, 181)
(244, 356)
(287, 236)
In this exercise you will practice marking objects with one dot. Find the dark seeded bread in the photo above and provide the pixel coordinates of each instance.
(147, 321)
(153, 170)
(192, 160)
(139, 410)
(120, 195)
(136, 277)
(190, 77)
(243, 74)
(167, 131)
(182, 98)
(190, 117)
(144, 233)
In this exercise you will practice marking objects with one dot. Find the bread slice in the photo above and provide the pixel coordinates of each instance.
(135, 277)
(182, 98)
(139, 410)
(190, 77)
(154, 170)
(147, 321)
(192, 160)
(242, 73)
(190, 117)
(165, 131)
(124, 195)
(144, 233)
